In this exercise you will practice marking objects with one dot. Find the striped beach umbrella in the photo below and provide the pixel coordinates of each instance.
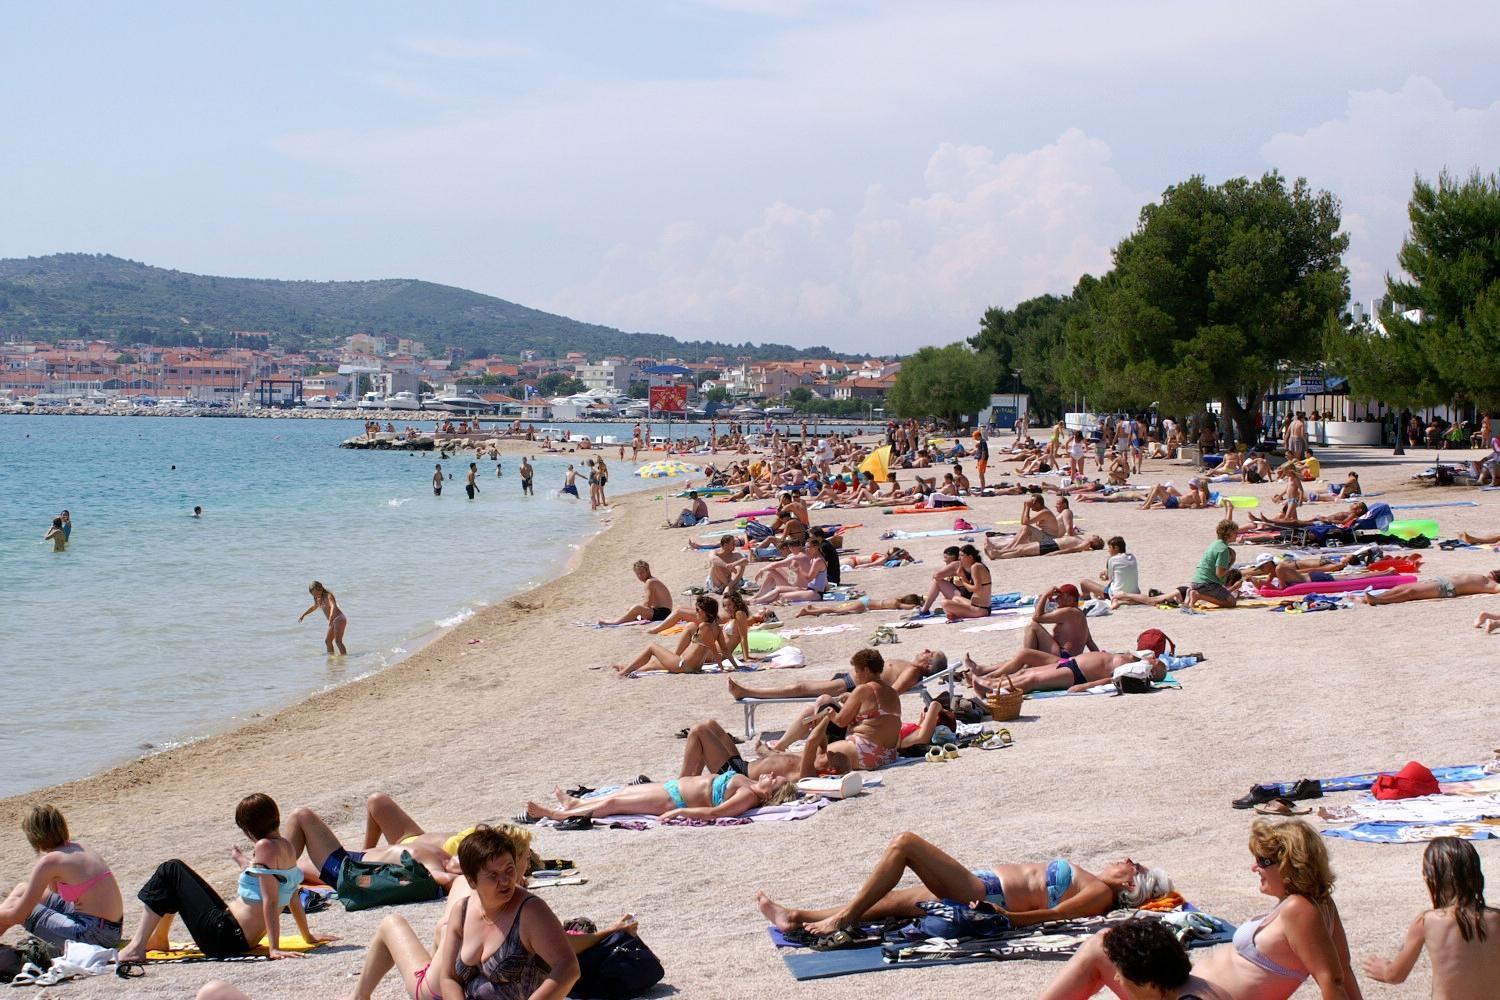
(668, 469)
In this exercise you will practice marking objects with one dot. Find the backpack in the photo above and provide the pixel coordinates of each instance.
(366, 884)
(617, 968)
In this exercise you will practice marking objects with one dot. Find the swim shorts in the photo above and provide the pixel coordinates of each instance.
(1047, 546)
(847, 678)
(1445, 586)
(735, 765)
(571, 489)
(1071, 665)
(334, 863)
(660, 614)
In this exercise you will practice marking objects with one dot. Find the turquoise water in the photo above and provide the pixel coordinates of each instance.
(154, 628)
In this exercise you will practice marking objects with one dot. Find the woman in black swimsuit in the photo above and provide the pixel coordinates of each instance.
(502, 943)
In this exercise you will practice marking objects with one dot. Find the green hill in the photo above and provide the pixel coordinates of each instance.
(96, 295)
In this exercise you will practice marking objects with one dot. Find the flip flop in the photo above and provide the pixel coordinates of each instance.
(576, 823)
(523, 819)
(29, 974)
(130, 970)
(1281, 807)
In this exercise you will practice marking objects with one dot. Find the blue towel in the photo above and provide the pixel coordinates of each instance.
(1390, 833)
(1363, 782)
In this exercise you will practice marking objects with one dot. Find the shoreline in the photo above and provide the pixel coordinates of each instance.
(412, 648)
(418, 416)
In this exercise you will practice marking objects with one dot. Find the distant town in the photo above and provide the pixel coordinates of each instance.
(377, 374)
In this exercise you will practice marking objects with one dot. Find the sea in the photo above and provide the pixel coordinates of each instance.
(156, 628)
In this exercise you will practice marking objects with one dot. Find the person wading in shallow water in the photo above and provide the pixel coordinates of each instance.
(323, 600)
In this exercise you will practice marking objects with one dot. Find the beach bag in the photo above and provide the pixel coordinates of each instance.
(619, 967)
(950, 919)
(1408, 783)
(1153, 639)
(366, 884)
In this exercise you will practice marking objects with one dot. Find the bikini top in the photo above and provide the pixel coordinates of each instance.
(73, 892)
(1244, 943)
(509, 973)
(288, 880)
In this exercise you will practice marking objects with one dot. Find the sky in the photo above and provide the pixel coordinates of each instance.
(870, 176)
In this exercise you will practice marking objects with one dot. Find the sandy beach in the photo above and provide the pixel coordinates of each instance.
(519, 699)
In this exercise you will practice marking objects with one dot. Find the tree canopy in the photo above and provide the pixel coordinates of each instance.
(1451, 260)
(1216, 291)
(1029, 342)
(950, 382)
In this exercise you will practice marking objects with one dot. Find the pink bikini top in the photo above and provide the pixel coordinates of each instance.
(73, 893)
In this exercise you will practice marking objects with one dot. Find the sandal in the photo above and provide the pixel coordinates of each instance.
(1281, 806)
(29, 974)
(576, 823)
(130, 970)
(523, 819)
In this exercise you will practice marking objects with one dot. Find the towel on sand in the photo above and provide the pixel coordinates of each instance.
(188, 952)
(786, 813)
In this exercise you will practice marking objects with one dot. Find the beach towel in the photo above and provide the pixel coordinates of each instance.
(998, 623)
(1433, 506)
(1052, 941)
(189, 952)
(1340, 585)
(1169, 683)
(1364, 782)
(927, 510)
(1416, 833)
(797, 633)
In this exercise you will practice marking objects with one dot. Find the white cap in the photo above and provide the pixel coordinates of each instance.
(1264, 559)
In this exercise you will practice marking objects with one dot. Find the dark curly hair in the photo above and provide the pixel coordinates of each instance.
(1148, 954)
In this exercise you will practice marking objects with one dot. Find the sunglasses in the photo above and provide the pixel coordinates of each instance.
(1264, 863)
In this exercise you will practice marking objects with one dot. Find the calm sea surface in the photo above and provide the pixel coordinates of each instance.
(154, 628)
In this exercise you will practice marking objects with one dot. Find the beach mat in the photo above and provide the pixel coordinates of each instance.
(1375, 832)
(1364, 782)
(189, 952)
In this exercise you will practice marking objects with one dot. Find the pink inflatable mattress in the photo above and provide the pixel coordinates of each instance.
(1340, 586)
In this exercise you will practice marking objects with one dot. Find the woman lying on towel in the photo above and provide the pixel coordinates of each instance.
(268, 883)
(437, 852)
(1273, 954)
(865, 727)
(1026, 893)
(696, 797)
(1035, 670)
(703, 642)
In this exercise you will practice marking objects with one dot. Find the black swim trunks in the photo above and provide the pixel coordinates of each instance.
(1072, 665)
(847, 678)
(736, 765)
(660, 614)
(1047, 546)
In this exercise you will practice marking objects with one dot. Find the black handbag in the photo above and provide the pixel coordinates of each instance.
(617, 968)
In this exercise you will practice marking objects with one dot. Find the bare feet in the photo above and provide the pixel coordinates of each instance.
(829, 925)
(538, 811)
(131, 954)
(779, 916)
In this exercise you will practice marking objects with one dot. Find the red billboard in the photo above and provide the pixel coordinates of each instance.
(669, 398)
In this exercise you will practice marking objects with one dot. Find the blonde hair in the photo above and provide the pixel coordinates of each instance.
(45, 828)
(488, 842)
(1299, 853)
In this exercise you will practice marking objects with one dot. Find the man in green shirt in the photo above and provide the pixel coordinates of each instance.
(1214, 577)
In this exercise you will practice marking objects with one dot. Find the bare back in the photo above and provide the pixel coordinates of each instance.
(1462, 970)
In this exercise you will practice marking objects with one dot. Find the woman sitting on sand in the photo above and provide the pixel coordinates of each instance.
(499, 942)
(974, 586)
(71, 894)
(1273, 954)
(267, 884)
(703, 642)
(734, 614)
(1026, 893)
(865, 725)
(802, 576)
(697, 797)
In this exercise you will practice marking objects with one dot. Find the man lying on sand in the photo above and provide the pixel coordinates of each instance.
(1051, 547)
(1439, 587)
(1026, 893)
(1032, 670)
(901, 675)
(437, 852)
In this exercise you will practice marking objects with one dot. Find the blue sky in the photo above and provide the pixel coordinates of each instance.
(867, 175)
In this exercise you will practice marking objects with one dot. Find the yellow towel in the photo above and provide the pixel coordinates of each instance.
(188, 952)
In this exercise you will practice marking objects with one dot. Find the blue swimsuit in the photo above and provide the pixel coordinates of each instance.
(720, 786)
(1059, 880)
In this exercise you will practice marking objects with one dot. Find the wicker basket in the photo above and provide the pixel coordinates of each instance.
(1005, 705)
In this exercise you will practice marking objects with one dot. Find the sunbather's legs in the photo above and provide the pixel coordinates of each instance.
(708, 749)
(1487, 620)
(942, 876)
(395, 944)
(383, 818)
(1093, 588)
(638, 613)
(794, 689)
(962, 607)
(677, 617)
(649, 799)
(305, 830)
(803, 724)
(939, 588)
(664, 658)
(1038, 638)
(1473, 539)
(1422, 590)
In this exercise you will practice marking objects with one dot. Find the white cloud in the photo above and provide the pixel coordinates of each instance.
(1371, 154)
(894, 274)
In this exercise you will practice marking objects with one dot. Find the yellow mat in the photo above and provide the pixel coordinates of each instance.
(188, 952)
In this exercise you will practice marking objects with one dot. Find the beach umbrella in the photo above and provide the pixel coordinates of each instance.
(878, 464)
(668, 469)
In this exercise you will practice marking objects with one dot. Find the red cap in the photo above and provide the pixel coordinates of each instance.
(1068, 590)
